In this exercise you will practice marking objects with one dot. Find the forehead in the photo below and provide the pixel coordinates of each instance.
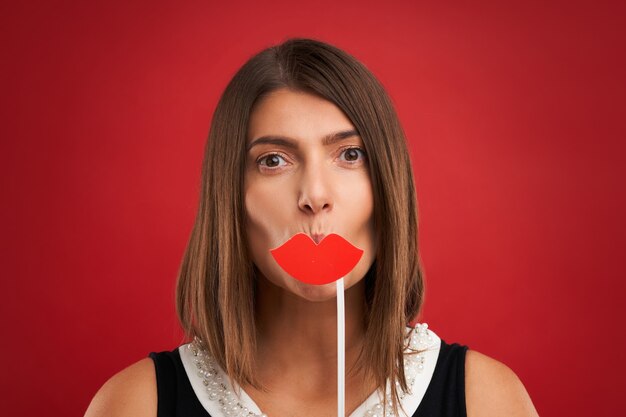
(296, 114)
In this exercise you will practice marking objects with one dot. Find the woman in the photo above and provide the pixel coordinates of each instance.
(306, 140)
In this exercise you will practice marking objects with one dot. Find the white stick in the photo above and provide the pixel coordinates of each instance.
(341, 350)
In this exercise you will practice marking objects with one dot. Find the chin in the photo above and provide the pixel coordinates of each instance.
(314, 293)
(278, 279)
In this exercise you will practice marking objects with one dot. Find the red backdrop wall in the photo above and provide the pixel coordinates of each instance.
(515, 117)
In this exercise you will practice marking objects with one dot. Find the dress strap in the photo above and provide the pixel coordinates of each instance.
(445, 396)
(175, 395)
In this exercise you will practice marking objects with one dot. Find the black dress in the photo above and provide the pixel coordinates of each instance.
(444, 397)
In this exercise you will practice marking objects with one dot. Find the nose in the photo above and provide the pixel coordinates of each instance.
(315, 194)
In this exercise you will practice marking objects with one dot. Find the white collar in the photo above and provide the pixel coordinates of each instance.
(409, 403)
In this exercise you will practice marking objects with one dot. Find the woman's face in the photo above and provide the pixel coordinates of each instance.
(302, 179)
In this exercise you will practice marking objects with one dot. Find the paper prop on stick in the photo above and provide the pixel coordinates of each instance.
(330, 260)
(315, 264)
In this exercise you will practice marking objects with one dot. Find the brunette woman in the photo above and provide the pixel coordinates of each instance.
(305, 140)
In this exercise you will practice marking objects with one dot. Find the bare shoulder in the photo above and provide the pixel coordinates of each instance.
(130, 392)
(493, 389)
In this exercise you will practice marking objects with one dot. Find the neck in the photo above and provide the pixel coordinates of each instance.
(294, 332)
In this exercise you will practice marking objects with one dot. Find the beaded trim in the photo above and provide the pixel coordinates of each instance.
(413, 365)
(218, 388)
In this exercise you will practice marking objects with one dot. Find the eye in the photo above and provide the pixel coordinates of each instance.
(271, 160)
(351, 155)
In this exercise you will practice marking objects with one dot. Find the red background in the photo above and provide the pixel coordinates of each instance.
(515, 117)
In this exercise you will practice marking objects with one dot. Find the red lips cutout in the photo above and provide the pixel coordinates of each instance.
(315, 264)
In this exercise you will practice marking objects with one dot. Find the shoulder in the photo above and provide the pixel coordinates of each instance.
(130, 392)
(493, 389)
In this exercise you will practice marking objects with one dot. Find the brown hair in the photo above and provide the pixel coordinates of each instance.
(215, 294)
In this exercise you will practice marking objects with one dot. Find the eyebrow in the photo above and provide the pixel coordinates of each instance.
(327, 140)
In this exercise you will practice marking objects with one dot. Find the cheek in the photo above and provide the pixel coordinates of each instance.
(359, 197)
(364, 214)
(265, 220)
(258, 211)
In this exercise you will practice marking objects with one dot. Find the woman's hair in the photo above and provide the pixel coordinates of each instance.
(215, 294)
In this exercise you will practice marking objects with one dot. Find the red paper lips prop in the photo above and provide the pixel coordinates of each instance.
(315, 264)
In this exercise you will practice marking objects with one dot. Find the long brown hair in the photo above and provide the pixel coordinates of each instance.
(215, 294)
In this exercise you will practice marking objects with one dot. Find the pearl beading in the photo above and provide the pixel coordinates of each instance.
(420, 341)
(218, 388)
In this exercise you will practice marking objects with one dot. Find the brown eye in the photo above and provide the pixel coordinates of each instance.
(352, 154)
(271, 161)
